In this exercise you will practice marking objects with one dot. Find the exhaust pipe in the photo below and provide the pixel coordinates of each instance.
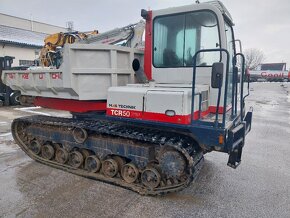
(140, 74)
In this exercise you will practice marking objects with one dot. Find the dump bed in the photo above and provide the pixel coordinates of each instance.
(86, 73)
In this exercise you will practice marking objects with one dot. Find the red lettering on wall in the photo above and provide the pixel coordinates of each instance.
(264, 74)
(41, 76)
(11, 75)
(269, 75)
(25, 76)
(56, 76)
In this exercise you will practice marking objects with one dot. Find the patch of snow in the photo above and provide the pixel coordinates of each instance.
(5, 134)
(6, 143)
(32, 110)
(3, 123)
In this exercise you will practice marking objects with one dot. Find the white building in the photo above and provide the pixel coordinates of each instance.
(23, 38)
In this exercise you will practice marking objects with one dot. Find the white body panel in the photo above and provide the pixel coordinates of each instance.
(134, 100)
(160, 101)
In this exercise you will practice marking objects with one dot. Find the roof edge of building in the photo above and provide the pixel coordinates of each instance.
(25, 29)
(20, 44)
(33, 20)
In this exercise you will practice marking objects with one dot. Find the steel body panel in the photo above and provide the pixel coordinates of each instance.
(161, 101)
(85, 74)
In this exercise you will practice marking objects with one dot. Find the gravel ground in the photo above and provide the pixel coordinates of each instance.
(259, 187)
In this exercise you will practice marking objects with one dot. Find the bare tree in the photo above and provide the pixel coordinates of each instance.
(254, 57)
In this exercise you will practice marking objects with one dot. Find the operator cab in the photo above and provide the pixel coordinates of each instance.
(174, 37)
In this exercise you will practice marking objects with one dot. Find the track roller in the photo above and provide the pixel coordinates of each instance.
(130, 173)
(80, 135)
(110, 167)
(61, 155)
(47, 151)
(93, 164)
(35, 147)
(76, 159)
(150, 177)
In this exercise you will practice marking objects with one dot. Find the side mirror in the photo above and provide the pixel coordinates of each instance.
(217, 75)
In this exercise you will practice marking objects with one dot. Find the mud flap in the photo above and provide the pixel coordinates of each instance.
(235, 157)
(236, 141)
(248, 120)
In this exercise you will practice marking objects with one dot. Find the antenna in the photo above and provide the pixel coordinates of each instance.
(70, 26)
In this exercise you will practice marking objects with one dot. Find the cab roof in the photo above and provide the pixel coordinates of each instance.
(222, 8)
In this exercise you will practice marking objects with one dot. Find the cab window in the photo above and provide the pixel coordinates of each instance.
(177, 38)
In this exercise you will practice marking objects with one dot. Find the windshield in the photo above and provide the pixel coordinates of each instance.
(177, 38)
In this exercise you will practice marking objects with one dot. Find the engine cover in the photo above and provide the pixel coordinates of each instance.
(153, 103)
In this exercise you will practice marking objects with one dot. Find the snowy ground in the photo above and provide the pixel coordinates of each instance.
(260, 187)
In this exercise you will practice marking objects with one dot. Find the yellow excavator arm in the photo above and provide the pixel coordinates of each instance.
(129, 36)
(53, 41)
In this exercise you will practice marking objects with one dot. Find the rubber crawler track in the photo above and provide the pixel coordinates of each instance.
(112, 129)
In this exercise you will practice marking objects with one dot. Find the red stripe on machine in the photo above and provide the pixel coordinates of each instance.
(160, 117)
(178, 119)
(148, 47)
(70, 105)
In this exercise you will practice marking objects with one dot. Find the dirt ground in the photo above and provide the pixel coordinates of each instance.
(259, 187)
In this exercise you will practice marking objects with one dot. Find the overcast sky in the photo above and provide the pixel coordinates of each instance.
(262, 24)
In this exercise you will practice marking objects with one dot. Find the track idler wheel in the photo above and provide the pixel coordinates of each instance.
(19, 130)
(35, 147)
(76, 159)
(80, 135)
(47, 151)
(151, 178)
(130, 173)
(93, 164)
(110, 168)
(61, 156)
(172, 163)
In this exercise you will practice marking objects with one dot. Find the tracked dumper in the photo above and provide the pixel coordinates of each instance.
(142, 120)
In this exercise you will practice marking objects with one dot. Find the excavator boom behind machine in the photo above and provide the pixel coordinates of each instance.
(141, 118)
